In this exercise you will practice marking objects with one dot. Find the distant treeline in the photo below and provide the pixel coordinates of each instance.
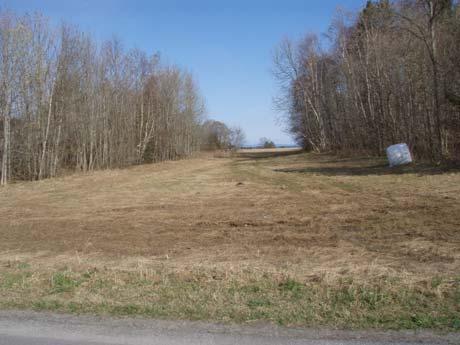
(389, 74)
(68, 103)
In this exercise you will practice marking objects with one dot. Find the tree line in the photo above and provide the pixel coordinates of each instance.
(388, 74)
(68, 103)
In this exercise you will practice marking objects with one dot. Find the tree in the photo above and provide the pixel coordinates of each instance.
(266, 143)
(68, 103)
(389, 75)
(216, 135)
(237, 137)
(422, 19)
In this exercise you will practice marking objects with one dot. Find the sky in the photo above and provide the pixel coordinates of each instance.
(226, 45)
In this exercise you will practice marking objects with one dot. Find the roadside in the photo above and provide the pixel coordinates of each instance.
(27, 328)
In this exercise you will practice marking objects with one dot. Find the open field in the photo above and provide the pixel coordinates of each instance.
(294, 238)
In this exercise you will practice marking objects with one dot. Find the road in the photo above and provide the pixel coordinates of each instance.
(27, 328)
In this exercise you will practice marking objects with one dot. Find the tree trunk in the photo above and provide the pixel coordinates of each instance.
(6, 150)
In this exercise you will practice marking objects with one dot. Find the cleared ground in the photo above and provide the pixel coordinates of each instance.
(294, 238)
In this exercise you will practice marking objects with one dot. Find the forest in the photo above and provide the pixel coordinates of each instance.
(70, 104)
(388, 74)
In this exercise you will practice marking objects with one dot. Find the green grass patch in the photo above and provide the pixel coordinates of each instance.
(65, 281)
(383, 303)
(11, 280)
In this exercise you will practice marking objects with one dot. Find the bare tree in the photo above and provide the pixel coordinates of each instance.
(386, 77)
(237, 137)
(68, 103)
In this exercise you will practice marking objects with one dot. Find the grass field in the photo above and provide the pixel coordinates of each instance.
(294, 238)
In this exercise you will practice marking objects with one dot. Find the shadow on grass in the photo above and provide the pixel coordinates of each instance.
(379, 169)
(268, 154)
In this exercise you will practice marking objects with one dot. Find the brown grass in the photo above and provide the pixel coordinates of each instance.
(314, 218)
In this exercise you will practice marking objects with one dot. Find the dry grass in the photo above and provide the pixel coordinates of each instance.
(263, 218)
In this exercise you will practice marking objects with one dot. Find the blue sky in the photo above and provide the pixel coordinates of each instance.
(227, 45)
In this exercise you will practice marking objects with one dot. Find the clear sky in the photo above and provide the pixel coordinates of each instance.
(227, 45)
